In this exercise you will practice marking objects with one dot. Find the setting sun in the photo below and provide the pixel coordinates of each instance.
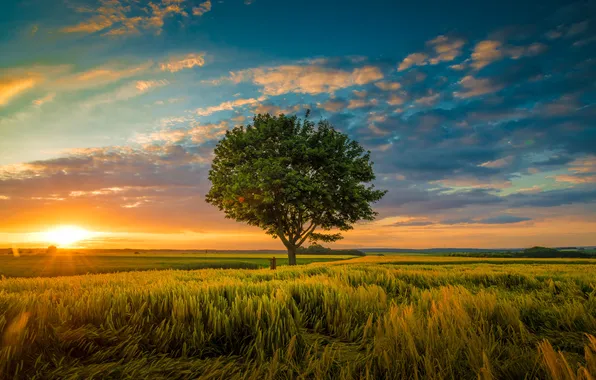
(66, 235)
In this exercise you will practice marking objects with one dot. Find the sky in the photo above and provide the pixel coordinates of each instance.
(480, 116)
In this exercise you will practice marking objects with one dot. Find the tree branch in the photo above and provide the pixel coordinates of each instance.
(280, 233)
(307, 233)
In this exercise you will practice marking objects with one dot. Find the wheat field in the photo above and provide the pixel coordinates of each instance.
(366, 318)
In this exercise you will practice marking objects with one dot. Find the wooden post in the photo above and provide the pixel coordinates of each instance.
(272, 263)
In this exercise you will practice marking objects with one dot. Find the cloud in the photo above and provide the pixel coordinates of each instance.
(51, 80)
(413, 222)
(428, 100)
(146, 85)
(414, 59)
(489, 51)
(175, 64)
(564, 105)
(333, 105)
(46, 99)
(553, 198)
(273, 109)
(107, 14)
(118, 18)
(311, 78)
(568, 31)
(228, 106)
(473, 183)
(125, 92)
(195, 133)
(584, 41)
(360, 103)
(203, 8)
(458, 67)
(388, 86)
(500, 219)
(475, 87)
(486, 52)
(583, 172)
(377, 131)
(440, 49)
(500, 163)
(504, 219)
(395, 100)
(12, 87)
(100, 76)
(575, 179)
(446, 49)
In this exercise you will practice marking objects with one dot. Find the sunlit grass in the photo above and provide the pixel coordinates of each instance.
(344, 321)
(72, 262)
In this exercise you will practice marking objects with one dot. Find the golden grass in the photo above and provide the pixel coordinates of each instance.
(362, 319)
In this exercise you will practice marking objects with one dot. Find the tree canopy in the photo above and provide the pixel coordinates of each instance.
(295, 179)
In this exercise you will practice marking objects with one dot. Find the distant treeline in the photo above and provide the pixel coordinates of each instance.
(534, 252)
(465, 250)
(317, 249)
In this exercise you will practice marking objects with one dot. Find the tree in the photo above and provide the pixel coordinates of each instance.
(52, 250)
(293, 179)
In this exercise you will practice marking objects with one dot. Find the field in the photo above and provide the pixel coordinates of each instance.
(109, 262)
(364, 318)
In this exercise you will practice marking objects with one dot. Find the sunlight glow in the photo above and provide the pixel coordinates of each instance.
(66, 235)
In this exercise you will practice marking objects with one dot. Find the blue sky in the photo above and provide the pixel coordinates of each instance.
(480, 117)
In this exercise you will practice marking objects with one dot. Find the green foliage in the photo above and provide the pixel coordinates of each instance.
(291, 177)
(357, 320)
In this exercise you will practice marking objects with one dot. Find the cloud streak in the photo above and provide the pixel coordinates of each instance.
(127, 17)
(188, 61)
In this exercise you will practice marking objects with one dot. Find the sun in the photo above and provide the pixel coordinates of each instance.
(66, 235)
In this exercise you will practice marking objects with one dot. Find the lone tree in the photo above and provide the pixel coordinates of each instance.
(293, 178)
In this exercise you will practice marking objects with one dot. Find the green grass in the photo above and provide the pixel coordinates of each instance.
(77, 264)
(366, 318)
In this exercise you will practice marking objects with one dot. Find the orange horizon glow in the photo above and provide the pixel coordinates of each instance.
(66, 236)
(381, 234)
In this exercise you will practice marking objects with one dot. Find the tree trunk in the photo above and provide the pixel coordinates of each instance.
(291, 255)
